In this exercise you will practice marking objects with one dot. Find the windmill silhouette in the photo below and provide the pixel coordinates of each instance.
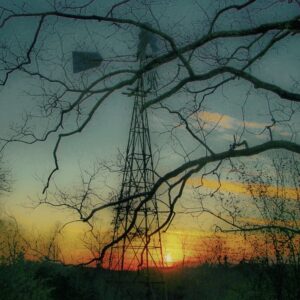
(139, 249)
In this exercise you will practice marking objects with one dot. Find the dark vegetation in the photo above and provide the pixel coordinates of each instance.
(43, 280)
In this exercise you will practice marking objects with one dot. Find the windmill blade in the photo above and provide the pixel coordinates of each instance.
(83, 61)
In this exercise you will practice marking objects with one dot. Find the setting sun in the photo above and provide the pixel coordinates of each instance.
(168, 259)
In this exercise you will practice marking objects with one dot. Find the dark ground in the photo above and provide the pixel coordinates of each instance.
(24, 280)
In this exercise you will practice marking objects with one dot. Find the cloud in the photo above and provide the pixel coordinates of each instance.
(252, 221)
(240, 188)
(211, 119)
(226, 124)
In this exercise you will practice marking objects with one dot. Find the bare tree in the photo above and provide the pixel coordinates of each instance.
(273, 206)
(5, 179)
(272, 223)
(222, 47)
(12, 243)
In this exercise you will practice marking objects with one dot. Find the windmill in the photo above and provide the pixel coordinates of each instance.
(138, 250)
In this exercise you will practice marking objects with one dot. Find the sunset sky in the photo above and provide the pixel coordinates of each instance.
(106, 135)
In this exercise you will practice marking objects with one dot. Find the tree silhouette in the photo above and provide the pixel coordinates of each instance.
(5, 179)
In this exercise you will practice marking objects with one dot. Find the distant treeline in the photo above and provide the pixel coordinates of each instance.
(44, 280)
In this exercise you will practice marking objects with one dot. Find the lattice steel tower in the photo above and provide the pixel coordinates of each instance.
(137, 250)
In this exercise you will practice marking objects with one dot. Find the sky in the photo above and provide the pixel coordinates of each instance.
(106, 135)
